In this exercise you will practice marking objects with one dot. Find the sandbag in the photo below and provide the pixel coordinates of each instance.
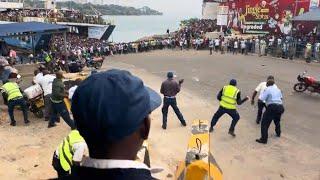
(33, 91)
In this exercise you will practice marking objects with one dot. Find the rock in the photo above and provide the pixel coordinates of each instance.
(169, 175)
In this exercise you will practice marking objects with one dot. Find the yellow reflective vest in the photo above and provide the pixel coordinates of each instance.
(66, 149)
(47, 58)
(12, 89)
(229, 97)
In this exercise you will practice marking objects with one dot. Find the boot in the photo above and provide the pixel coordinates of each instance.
(232, 133)
(211, 129)
(261, 141)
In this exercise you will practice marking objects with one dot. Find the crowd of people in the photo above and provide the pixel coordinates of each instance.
(51, 15)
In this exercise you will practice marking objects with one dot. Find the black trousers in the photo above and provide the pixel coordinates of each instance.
(61, 109)
(261, 106)
(23, 105)
(231, 112)
(57, 166)
(173, 103)
(273, 112)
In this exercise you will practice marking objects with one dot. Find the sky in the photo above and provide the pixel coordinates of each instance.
(168, 7)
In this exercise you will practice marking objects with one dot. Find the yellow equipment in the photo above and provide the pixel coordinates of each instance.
(199, 163)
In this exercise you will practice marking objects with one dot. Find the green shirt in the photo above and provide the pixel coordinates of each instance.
(58, 92)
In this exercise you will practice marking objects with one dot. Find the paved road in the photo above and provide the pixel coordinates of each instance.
(205, 75)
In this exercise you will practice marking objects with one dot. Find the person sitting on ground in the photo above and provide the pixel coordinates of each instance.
(112, 112)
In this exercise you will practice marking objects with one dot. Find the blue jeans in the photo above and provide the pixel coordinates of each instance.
(60, 108)
(23, 105)
(173, 103)
(231, 112)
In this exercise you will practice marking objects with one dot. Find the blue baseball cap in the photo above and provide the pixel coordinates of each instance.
(111, 105)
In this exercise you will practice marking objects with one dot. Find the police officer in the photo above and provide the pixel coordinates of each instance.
(273, 99)
(170, 88)
(69, 153)
(229, 96)
(12, 96)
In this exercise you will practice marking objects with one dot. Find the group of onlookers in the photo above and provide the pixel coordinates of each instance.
(53, 15)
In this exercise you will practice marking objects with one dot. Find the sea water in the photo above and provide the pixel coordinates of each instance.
(131, 28)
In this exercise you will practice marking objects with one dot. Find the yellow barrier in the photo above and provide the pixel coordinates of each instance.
(199, 163)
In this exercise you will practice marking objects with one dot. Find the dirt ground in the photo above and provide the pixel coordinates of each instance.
(26, 151)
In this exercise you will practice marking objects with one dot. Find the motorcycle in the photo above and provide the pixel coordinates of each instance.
(95, 62)
(307, 83)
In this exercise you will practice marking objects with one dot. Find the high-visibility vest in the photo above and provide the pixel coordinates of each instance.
(47, 58)
(12, 89)
(66, 149)
(229, 97)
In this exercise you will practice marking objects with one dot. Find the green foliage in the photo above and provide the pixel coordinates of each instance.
(187, 22)
(103, 9)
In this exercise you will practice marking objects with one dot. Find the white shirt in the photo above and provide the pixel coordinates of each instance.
(236, 44)
(112, 164)
(79, 149)
(72, 90)
(46, 83)
(272, 95)
(217, 42)
(261, 87)
(37, 78)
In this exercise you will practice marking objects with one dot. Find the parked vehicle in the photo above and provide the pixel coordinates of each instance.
(307, 83)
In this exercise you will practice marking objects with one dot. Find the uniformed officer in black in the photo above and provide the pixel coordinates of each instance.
(272, 96)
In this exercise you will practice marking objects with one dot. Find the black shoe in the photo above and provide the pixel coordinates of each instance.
(278, 135)
(261, 141)
(184, 123)
(211, 129)
(51, 125)
(258, 121)
(58, 120)
(13, 123)
(46, 119)
(232, 133)
(27, 122)
(164, 126)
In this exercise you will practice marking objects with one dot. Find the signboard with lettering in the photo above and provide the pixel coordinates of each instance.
(266, 16)
(222, 17)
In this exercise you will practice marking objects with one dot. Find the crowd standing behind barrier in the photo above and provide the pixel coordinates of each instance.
(190, 36)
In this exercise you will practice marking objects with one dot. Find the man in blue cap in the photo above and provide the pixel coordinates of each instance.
(170, 88)
(229, 96)
(112, 113)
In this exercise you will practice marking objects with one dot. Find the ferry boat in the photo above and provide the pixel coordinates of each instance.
(87, 26)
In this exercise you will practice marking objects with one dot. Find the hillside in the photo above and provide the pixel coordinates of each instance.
(89, 8)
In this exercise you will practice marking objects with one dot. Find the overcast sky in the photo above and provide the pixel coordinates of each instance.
(176, 7)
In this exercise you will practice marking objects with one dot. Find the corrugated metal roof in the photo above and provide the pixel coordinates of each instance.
(25, 27)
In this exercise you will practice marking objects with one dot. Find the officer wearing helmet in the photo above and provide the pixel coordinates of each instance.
(229, 96)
